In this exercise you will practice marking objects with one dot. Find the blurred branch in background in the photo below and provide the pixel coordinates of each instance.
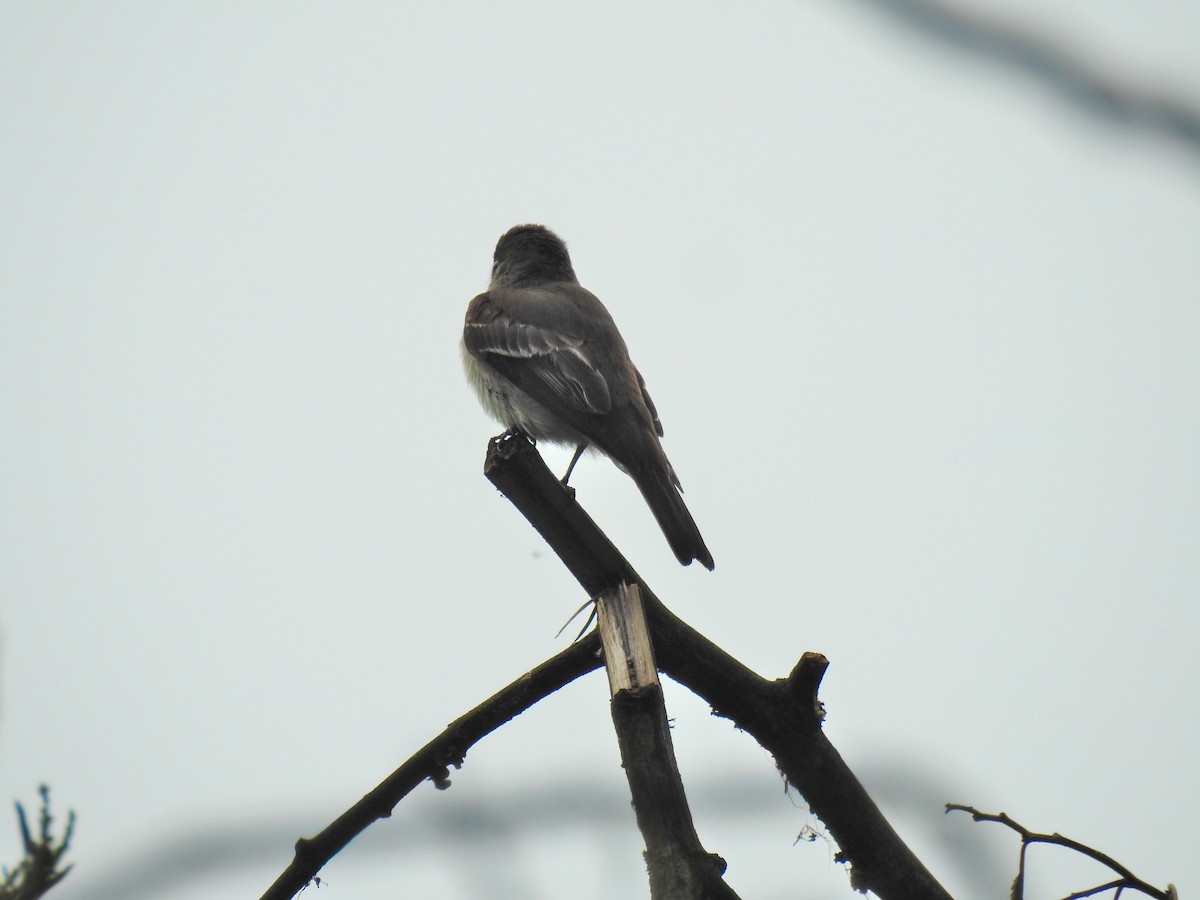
(38, 870)
(496, 836)
(1055, 64)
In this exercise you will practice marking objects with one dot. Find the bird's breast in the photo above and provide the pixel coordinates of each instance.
(510, 406)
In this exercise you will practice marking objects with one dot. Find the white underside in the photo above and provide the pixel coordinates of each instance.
(509, 405)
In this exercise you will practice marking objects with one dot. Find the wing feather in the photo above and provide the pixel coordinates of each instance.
(551, 366)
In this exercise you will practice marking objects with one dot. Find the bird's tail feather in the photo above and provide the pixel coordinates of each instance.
(664, 500)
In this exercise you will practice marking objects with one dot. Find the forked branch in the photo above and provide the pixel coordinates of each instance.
(783, 715)
(1126, 880)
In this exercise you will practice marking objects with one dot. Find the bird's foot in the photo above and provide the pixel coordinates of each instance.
(514, 433)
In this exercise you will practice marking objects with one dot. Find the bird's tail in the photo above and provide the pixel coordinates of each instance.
(662, 495)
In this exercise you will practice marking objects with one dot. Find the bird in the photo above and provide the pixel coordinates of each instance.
(546, 359)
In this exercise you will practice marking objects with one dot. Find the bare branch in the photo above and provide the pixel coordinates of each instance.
(783, 715)
(432, 762)
(679, 866)
(1127, 881)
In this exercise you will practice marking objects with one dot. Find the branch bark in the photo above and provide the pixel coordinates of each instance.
(433, 760)
(784, 715)
(679, 866)
(1126, 881)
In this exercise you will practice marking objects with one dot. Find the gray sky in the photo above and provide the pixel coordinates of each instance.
(923, 333)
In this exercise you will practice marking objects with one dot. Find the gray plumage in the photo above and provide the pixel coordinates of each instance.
(545, 357)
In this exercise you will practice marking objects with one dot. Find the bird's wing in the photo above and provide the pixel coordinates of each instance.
(649, 403)
(550, 365)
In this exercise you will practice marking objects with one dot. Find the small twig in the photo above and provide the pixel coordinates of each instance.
(1116, 886)
(590, 601)
(38, 871)
(1127, 880)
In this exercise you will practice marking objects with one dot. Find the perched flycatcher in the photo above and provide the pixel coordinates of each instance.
(546, 358)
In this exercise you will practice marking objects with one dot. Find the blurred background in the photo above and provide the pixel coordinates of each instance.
(915, 286)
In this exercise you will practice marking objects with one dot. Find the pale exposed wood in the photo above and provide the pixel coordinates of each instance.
(628, 653)
(678, 865)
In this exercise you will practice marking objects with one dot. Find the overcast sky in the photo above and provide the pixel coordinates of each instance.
(923, 329)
